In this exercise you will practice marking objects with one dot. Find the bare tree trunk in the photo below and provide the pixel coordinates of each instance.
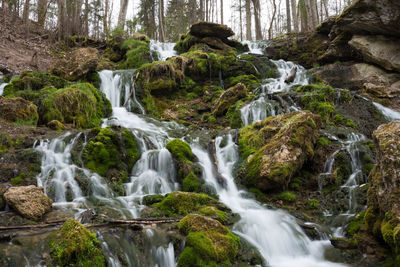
(207, 7)
(325, 2)
(257, 20)
(272, 20)
(5, 4)
(105, 22)
(63, 27)
(241, 20)
(248, 20)
(222, 11)
(122, 13)
(288, 20)
(25, 14)
(41, 12)
(202, 17)
(161, 20)
(294, 15)
(86, 18)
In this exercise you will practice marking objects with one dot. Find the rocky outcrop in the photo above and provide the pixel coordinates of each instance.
(29, 201)
(229, 97)
(276, 148)
(77, 64)
(18, 110)
(210, 29)
(378, 49)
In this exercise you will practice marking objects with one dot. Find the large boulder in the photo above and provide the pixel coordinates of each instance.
(18, 110)
(77, 64)
(229, 97)
(209, 29)
(276, 148)
(379, 50)
(29, 201)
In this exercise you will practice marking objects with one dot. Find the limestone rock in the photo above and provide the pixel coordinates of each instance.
(210, 29)
(77, 64)
(18, 109)
(55, 125)
(276, 148)
(384, 179)
(229, 97)
(29, 201)
(380, 50)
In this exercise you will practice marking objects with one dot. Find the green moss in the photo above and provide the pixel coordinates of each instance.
(233, 115)
(180, 150)
(192, 183)
(322, 141)
(80, 104)
(287, 196)
(137, 55)
(312, 204)
(184, 44)
(251, 81)
(74, 245)
(183, 203)
(210, 239)
(17, 180)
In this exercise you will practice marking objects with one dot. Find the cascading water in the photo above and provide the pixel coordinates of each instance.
(265, 106)
(274, 233)
(256, 47)
(2, 88)
(388, 113)
(162, 50)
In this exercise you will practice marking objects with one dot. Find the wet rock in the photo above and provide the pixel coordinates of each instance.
(379, 50)
(55, 125)
(210, 29)
(18, 110)
(140, 36)
(29, 201)
(277, 147)
(77, 64)
(229, 97)
(343, 243)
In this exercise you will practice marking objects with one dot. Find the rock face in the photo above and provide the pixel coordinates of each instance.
(77, 64)
(209, 29)
(229, 97)
(29, 201)
(379, 50)
(277, 147)
(18, 109)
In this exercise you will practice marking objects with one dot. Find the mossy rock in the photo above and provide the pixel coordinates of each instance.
(19, 111)
(276, 148)
(208, 242)
(138, 54)
(79, 104)
(74, 245)
(111, 153)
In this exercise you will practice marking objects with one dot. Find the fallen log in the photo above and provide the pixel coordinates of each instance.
(291, 76)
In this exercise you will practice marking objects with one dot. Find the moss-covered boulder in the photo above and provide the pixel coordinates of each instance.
(80, 104)
(77, 64)
(29, 201)
(74, 245)
(137, 53)
(18, 110)
(55, 125)
(230, 97)
(111, 153)
(276, 148)
(188, 171)
(29, 85)
(208, 242)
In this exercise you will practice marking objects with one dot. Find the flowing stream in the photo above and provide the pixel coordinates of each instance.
(275, 233)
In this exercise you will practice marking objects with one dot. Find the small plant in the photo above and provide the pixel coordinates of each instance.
(312, 204)
(287, 196)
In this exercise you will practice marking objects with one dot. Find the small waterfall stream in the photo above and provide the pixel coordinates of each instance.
(2, 88)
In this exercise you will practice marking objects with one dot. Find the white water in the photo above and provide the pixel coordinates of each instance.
(274, 233)
(388, 113)
(264, 106)
(163, 50)
(2, 88)
(256, 47)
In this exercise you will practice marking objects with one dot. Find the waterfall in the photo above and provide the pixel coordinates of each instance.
(256, 47)
(274, 233)
(264, 106)
(2, 88)
(162, 50)
(389, 114)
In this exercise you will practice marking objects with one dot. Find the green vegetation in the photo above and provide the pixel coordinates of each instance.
(138, 54)
(287, 196)
(208, 242)
(180, 150)
(312, 204)
(80, 104)
(74, 245)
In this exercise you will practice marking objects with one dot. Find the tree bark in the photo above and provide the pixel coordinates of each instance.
(248, 20)
(63, 27)
(295, 16)
(5, 4)
(122, 13)
(222, 11)
(257, 20)
(41, 11)
(25, 14)
(288, 16)
(241, 20)
(202, 10)
(161, 20)
(105, 21)
(272, 20)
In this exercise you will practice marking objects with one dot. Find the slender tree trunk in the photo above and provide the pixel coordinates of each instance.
(41, 12)
(222, 11)
(25, 14)
(86, 18)
(288, 18)
(325, 2)
(63, 27)
(294, 15)
(257, 18)
(248, 20)
(105, 21)
(272, 20)
(202, 10)
(122, 13)
(161, 20)
(241, 20)
(207, 7)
